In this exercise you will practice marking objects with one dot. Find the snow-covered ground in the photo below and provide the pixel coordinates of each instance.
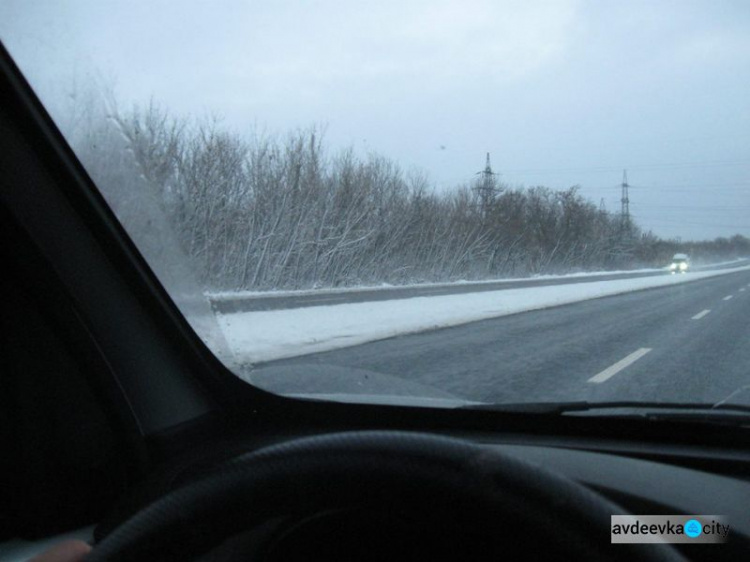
(267, 335)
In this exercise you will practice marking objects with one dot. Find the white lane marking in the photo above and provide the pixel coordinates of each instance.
(620, 365)
(728, 398)
(701, 314)
(742, 289)
(727, 297)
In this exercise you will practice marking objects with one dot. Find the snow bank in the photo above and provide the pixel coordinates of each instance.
(267, 335)
(229, 295)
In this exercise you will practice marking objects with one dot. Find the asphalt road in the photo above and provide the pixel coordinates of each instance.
(323, 298)
(687, 342)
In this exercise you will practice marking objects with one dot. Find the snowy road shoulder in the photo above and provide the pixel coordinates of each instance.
(267, 335)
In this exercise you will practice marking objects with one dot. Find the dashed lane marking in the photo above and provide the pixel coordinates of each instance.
(611, 371)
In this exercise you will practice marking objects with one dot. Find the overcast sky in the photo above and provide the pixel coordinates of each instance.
(560, 92)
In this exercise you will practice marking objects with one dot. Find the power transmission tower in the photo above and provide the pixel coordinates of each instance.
(486, 186)
(625, 209)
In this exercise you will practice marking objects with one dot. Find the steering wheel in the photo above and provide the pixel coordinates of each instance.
(375, 495)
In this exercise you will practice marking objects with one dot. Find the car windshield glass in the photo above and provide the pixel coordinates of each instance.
(440, 203)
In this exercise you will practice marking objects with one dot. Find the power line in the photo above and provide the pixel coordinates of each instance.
(671, 222)
(718, 189)
(697, 185)
(707, 164)
(701, 208)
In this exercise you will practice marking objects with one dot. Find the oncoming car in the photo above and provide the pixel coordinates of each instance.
(680, 263)
(225, 343)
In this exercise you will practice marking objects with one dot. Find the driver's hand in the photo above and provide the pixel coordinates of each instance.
(66, 551)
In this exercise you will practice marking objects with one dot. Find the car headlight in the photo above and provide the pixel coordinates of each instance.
(683, 266)
(673, 266)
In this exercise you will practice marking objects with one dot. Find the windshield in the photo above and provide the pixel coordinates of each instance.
(438, 203)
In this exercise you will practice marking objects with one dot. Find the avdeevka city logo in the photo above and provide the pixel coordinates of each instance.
(693, 528)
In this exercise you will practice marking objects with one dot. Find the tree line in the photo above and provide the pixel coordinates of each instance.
(269, 213)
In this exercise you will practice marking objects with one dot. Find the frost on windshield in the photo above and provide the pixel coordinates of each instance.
(128, 163)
